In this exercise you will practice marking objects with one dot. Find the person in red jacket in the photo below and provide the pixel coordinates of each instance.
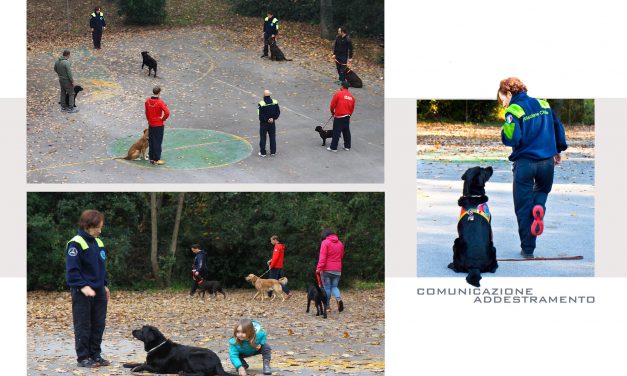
(342, 106)
(276, 264)
(330, 265)
(156, 113)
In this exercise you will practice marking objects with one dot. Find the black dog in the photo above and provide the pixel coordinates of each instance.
(473, 250)
(319, 297)
(324, 134)
(353, 79)
(211, 287)
(276, 53)
(165, 356)
(77, 89)
(148, 61)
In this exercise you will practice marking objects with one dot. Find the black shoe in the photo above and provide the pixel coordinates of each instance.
(526, 255)
(87, 363)
(100, 361)
(340, 306)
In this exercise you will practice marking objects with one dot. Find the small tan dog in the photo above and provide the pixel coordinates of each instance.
(139, 148)
(262, 286)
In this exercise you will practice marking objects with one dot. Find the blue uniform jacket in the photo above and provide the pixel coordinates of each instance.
(200, 263)
(97, 21)
(245, 349)
(271, 26)
(268, 108)
(532, 129)
(85, 267)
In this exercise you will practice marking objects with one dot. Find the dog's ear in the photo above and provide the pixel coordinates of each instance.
(485, 175)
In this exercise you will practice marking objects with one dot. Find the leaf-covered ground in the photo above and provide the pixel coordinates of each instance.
(351, 342)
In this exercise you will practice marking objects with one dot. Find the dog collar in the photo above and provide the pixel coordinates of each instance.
(481, 210)
(154, 348)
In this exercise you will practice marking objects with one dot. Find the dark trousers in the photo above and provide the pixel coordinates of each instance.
(96, 36)
(89, 316)
(270, 129)
(155, 138)
(533, 181)
(341, 126)
(265, 351)
(266, 43)
(67, 93)
(340, 65)
(276, 273)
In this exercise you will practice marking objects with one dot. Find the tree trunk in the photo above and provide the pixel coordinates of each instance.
(327, 30)
(154, 240)
(175, 235)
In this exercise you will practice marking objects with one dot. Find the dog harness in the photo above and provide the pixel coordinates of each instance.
(481, 210)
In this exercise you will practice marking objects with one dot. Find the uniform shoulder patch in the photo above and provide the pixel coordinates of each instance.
(72, 252)
(103, 255)
(509, 118)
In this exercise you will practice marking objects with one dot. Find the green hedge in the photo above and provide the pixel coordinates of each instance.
(143, 12)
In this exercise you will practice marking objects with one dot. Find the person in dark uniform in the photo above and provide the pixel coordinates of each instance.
(270, 30)
(200, 269)
(342, 53)
(537, 138)
(268, 111)
(87, 278)
(97, 24)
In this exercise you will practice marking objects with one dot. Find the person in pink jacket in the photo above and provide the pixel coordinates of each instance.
(330, 265)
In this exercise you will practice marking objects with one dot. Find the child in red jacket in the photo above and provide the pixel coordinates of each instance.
(156, 113)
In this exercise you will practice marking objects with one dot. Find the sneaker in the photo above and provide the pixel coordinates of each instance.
(261, 155)
(87, 363)
(65, 109)
(526, 255)
(273, 155)
(100, 361)
(160, 162)
(329, 149)
(72, 110)
(537, 227)
(347, 149)
(340, 306)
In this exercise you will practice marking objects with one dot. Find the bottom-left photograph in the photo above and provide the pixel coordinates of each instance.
(211, 283)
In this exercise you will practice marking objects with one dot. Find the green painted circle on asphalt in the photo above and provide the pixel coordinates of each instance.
(190, 149)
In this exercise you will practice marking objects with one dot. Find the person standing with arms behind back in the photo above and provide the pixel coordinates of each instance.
(85, 257)
(330, 265)
(342, 53)
(156, 113)
(342, 107)
(268, 111)
(63, 68)
(537, 138)
(270, 30)
(97, 24)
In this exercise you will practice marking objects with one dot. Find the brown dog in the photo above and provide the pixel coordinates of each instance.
(139, 148)
(262, 286)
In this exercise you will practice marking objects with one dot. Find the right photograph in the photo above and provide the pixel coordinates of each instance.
(505, 187)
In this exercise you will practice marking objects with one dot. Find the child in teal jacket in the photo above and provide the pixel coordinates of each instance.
(249, 339)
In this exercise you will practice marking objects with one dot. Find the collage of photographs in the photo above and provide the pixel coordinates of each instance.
(313, 188)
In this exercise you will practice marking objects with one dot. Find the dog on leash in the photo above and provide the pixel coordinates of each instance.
(211, 287)
(276, 53)
(353, 79)
(139, 149)
(148, 61)
(167, 357)
(324, 134)
(473, 251)
(262, 286)
(319, 297)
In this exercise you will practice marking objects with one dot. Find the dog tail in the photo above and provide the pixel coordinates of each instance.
(222, 372)
(473, 277)
(283, 281)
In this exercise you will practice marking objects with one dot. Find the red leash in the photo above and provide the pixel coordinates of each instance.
(543, 258)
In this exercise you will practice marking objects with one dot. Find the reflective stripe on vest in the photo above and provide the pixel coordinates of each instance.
(83, 243)
(264, 104)
(100, 14)
(515, 110)
(543, 103)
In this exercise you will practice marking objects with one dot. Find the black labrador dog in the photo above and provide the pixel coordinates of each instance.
(276, 53)
(353, 79)
(211, 287)
(319, 297)
(324, 134)
(473, 251)
(148, 61)
(165, 356)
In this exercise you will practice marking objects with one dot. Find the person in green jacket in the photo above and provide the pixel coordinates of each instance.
(63, 68)
(249, 339)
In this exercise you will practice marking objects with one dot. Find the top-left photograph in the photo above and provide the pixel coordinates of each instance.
(215, 91)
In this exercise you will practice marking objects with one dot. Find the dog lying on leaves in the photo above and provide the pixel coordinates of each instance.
(166, 357)
(262, 286)
(473, 251)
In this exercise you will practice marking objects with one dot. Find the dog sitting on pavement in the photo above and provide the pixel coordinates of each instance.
(148, 61)
(473, 251)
